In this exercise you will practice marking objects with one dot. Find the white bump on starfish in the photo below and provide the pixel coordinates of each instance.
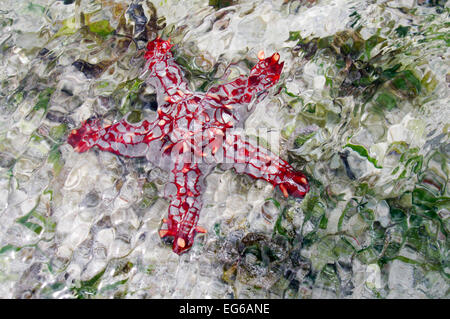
(163, 233)
(276, 57)
(181, 243)
(284, 190)
(261, 55)
(214, 96)
(185, 147)
(200, 229)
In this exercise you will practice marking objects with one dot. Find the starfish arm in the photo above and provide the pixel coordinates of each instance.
(121, 138)
(241, 91)
(184, 192)
(165, 75)
(261, 163)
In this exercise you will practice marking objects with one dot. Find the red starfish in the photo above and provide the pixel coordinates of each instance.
(193, 133)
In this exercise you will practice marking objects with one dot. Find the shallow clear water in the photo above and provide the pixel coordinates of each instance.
(361, 108)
